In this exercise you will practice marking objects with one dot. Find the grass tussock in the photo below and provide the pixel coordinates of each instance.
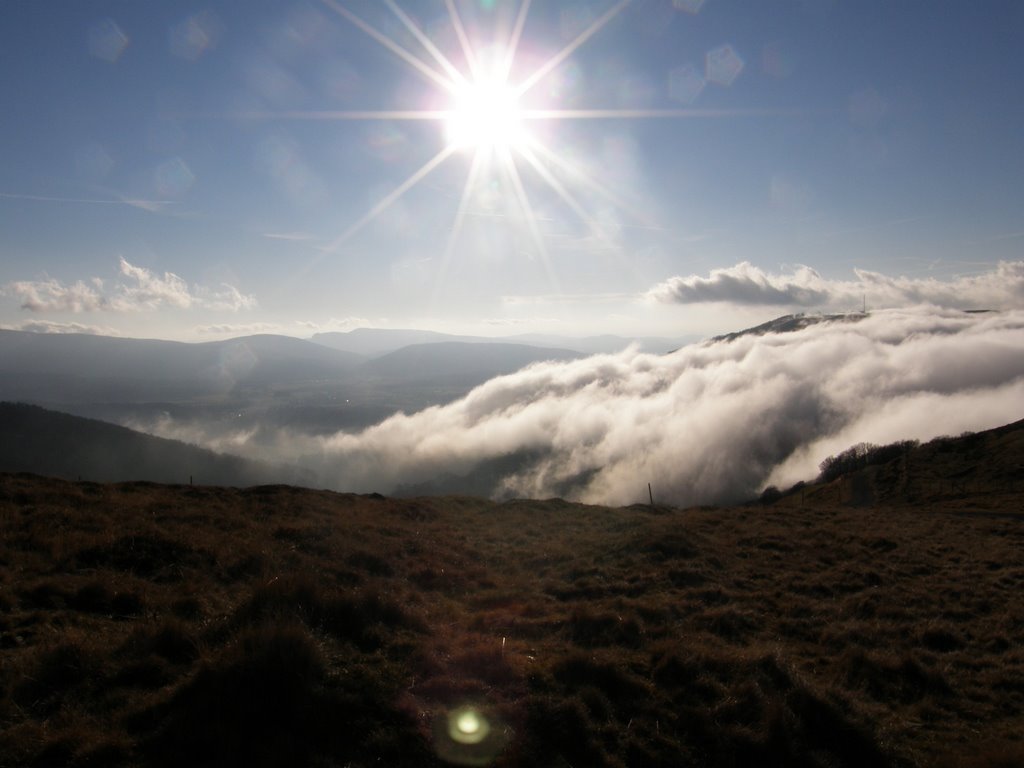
(147, 625)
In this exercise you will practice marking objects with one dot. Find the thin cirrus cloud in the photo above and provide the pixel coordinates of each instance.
(137, 289)
(710, 423)
(294, 237)
(153, 206)
(745, 284)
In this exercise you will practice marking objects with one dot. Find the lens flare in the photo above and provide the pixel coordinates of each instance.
(468, 726)
(469, 736)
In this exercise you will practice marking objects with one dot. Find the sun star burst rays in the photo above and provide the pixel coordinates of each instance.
(400, 190)
(465, 201)
(546, 68)
(418, 64)
(485, 118)
(456, 77)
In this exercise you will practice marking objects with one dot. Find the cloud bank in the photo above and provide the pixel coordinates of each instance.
(137, 289)
(711, 423)
(46, 326)
(745, 284)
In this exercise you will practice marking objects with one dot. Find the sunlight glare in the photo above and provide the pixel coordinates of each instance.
(485, 114)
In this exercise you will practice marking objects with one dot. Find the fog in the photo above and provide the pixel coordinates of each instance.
(710, 423)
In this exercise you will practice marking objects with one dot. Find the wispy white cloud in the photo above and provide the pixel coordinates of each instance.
(223, 298)
(147, 290)
(49, 295)
(298, 237)
(745, 284)
(152, 206)
(137, 289)
(45, 326)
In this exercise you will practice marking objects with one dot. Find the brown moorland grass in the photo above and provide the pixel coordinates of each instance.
(148, 625)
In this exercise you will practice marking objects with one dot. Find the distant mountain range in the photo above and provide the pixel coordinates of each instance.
(338, 381)
(332, 382)
(75, 369)
(342, 381)
(374, 342)
(70, 368)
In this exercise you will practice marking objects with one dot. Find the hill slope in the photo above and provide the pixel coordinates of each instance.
(991, 461)
(44, 442)
(144, 625)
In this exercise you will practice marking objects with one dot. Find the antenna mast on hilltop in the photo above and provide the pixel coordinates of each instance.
(864, 311)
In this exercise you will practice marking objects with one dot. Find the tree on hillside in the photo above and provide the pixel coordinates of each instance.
(862, 455)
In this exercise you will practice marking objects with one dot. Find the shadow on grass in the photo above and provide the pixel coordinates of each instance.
(270, 701)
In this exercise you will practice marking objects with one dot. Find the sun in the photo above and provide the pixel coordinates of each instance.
(486, 115)
(481, 114)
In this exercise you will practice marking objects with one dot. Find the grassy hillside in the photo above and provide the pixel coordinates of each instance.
(173, 625)
(975, 463)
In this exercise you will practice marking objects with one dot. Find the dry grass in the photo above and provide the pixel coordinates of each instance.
(159, 625)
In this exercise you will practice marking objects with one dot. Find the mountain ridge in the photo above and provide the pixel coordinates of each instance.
(53, 366)
(789, 324)
(380, 341)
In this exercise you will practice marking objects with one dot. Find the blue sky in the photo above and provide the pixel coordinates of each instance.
(181, 170)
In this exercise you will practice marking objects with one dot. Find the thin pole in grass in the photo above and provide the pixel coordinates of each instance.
(650, 493)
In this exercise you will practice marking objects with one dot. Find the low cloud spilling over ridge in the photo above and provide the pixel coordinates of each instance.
(745, 284)
(710, 423)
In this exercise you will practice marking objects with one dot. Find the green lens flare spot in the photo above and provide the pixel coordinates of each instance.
(468, 726)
